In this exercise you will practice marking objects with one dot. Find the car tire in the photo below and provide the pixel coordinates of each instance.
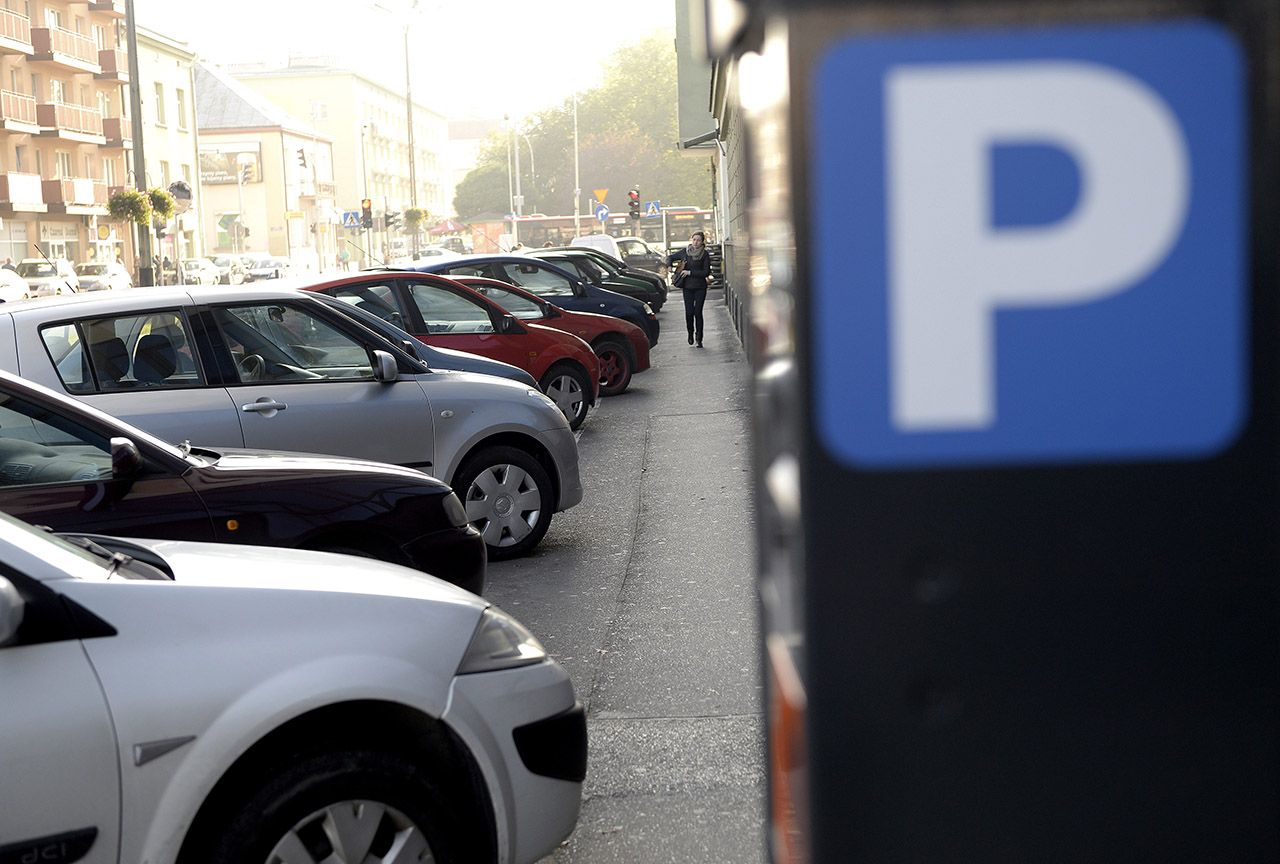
(314, 801)
(616, 366)
(508, 498)
(570, 388)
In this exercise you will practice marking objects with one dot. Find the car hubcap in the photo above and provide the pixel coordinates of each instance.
(567, 394)
(353, 832)
(504, 504)
(610, 368)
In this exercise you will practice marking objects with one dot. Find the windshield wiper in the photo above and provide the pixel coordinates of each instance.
(117, 559)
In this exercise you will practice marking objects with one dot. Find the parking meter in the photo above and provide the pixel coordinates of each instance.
(1016, 444)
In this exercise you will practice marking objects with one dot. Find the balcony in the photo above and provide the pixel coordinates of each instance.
(64, 48)
(117, 131)
(15, 33)
(82, 123)
(18, 113)
(115, 66)
(111, 8)
(76, 195)
(21, 193)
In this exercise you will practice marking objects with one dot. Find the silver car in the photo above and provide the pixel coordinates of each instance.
(272, 369)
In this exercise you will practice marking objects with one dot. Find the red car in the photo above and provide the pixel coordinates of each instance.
(622, 347)
(445, 313)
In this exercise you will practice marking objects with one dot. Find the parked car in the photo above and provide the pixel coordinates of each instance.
(173, 701)
(102, 276)
(48, 278)
(553, 283)
(622, 347)
(615, 267)
(12, 286)
(635, 252)
(55, 453)
(604, 242)
(442, 312)
(269, 268)
(587, 267)
(435, 358)
(264, 368)
(199, 271)
(231, 270)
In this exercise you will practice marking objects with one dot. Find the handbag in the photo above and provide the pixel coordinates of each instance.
(678, 279)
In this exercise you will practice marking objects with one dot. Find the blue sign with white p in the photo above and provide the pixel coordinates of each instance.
(1029, 246)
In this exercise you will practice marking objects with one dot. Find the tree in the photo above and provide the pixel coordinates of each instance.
(627, 129)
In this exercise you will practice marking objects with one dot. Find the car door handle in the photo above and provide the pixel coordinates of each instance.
(266, 405)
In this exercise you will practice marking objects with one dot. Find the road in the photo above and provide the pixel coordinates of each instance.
(645, 593)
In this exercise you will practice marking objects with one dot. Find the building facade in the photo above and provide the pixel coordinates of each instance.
(267, 177)
(368, 125)
(62, 115)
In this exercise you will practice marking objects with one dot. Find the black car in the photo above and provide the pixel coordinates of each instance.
(615, 267)
(553, 283)
(73, 468)
(590, 268)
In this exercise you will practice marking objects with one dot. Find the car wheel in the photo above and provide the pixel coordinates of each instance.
(615, 367)
(508, 498)
(345, 806)
(570, 388)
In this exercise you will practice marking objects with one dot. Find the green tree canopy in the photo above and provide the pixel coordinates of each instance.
(627, 130)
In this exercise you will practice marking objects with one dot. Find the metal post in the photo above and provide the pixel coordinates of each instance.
(146, 276)
(577, 183)
(364, 166)
(511, 195)
(237, 232)
(519, 199)
(408, 110)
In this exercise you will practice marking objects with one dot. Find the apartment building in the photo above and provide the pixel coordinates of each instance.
(62, 109)
(368, 125)
(266, 177)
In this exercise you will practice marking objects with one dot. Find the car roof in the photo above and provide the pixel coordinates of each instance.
(125, 299)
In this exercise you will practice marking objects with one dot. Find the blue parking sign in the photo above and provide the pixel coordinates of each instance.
(1030, 246)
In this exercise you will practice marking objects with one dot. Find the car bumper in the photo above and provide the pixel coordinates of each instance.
(456, 555)
(640, 347)
(528, 735)
(563, 448)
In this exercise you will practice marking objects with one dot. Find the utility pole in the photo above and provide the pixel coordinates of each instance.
(577, 182)
(146, 277)
(519, 199)
(364, 164)
(408, 110)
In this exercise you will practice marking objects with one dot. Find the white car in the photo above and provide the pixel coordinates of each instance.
(269, 268)
(46, 278)
(200, 271)
(102, 276)
(12, 286)
(169, 701)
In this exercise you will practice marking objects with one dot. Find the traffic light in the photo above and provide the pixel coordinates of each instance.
(391, 219)
(366, 213)
(633, 203)
(302, 157)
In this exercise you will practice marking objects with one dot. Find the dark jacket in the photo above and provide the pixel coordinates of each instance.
(699, 271)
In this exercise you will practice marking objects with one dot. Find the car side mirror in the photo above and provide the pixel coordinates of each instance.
(126, 459)
(507, 324)
(579, 290)
(12, 608)
(385, 368)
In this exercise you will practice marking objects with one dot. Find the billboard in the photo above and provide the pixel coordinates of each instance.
(219, 162)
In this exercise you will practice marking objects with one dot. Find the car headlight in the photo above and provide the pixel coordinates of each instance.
(546, 400)
(648, 310)
(500, 642)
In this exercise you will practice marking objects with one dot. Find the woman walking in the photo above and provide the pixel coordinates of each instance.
(691, 278)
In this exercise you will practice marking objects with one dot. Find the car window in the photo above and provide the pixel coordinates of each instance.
(375, 299)
(91, 269)
(39, 447)
(539, 280)
(147, 351)
(281, 343)
(445, 311)
(32, 269)
(466, 270)
(521, 307)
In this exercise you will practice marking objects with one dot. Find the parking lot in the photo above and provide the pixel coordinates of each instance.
(645, 594)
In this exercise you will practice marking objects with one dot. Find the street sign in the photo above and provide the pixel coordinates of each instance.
(602, 213)
(600, 193)
(293, 214)
(954, 303)
(652, 210)
(350, 218)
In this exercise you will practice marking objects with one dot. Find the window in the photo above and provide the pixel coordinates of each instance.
(375, 299)
(280, 343)
(57, 91)
(159, 104)
(36, 92)
(447, 312)
(15, 81)
(186, 173)
(521, 307)
(20, 158)
(109, 172)
(164, 173)
(104, 104)
(132, 352)
(536, 279)
(182, 109)
(52, 17)
(39, 448)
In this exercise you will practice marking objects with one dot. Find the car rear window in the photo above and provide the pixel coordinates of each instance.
(129, 352)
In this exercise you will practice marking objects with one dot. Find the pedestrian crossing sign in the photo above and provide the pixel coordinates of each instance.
(651, 209)
(350, 218)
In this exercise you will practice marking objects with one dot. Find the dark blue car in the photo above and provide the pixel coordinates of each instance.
(553, 283)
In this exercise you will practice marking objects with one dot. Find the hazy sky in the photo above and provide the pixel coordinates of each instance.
(480, 58)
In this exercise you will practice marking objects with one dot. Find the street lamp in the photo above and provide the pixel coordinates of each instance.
(577, 183)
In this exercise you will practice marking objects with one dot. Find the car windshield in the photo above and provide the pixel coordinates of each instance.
(223, 262)
(192, 265)
(91, 269)
(27, 269)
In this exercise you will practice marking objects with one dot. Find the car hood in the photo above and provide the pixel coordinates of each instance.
(222, 565)
(235, 459)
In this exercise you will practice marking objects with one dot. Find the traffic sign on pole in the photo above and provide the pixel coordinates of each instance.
(600, 193)
(602, 213)
(350, 218)
(652, 210)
